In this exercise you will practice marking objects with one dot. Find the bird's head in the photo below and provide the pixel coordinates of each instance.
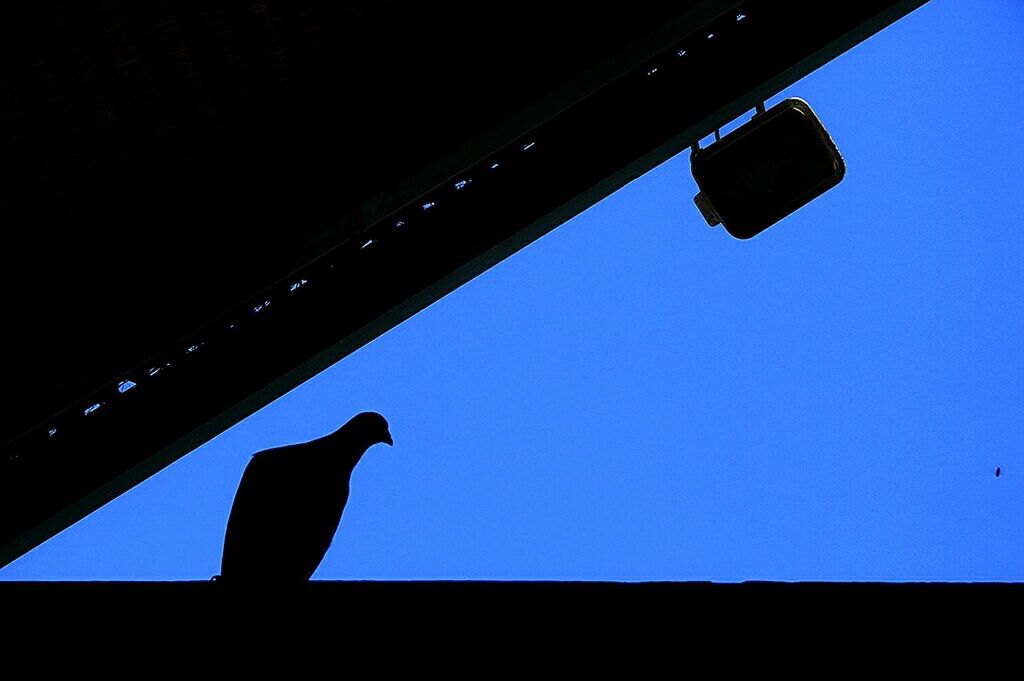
(370, 428)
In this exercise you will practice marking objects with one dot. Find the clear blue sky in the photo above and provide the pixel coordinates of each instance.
(636, 396)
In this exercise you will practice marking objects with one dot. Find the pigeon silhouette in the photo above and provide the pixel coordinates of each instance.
(289, 503)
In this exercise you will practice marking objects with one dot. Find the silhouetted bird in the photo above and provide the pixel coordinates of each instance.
(999, 471)
(289, 504)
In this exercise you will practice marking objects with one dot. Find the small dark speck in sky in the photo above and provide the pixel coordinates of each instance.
(999, 471)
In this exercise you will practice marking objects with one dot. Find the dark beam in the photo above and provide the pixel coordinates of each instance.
(429, 611)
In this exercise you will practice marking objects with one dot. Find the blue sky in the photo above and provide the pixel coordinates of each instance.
(639, 397)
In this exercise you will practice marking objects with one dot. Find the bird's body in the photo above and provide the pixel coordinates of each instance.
(290, 502)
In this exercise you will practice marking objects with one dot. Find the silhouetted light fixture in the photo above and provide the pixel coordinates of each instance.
(765, 169)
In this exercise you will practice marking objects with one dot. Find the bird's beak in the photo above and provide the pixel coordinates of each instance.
(390, 441)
